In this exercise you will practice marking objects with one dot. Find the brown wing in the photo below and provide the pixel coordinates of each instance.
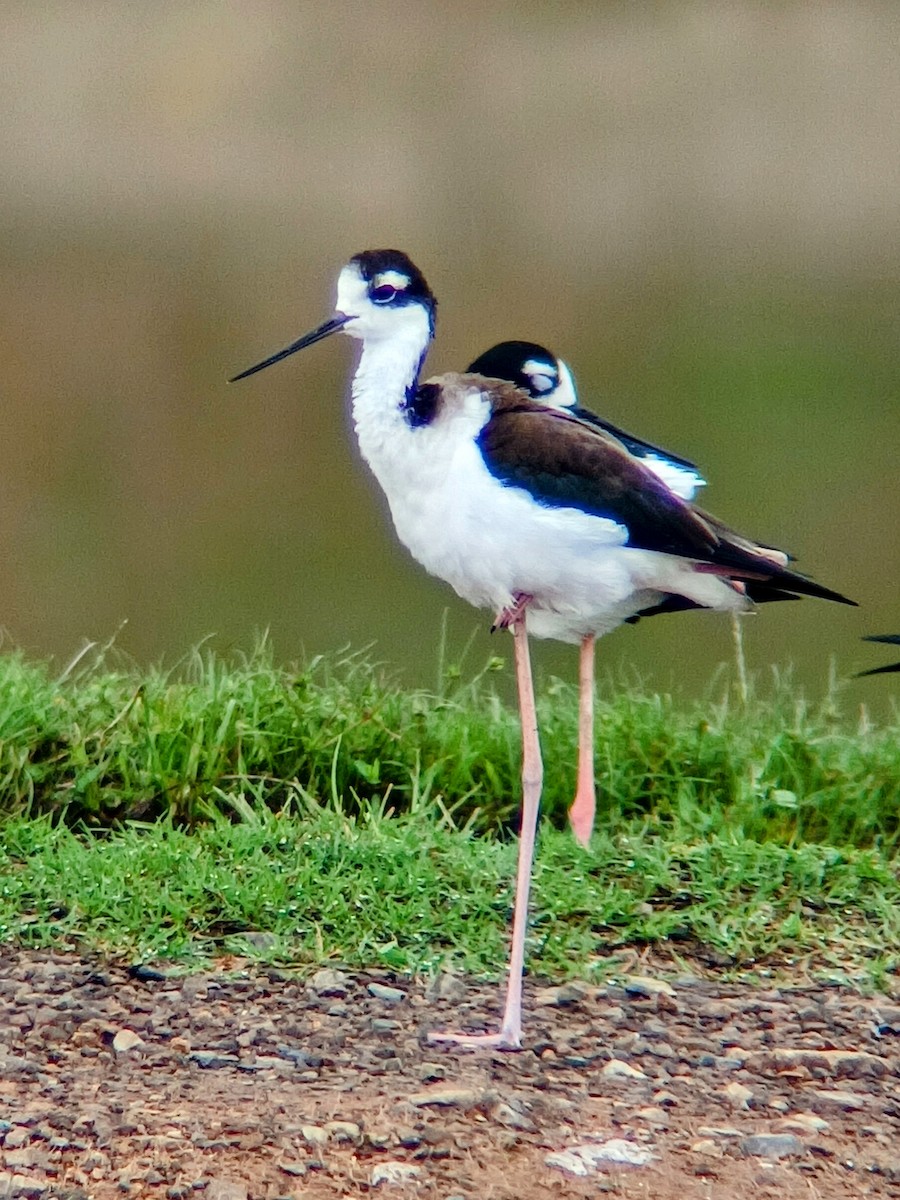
(565, 462)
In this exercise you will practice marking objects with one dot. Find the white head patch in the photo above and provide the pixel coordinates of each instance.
(351, 290)
(566, 396)
(395, 279)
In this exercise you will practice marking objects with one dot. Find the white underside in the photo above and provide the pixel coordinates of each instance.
(492, 543)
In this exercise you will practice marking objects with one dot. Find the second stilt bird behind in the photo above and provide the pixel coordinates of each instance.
(546, 378)
(546, 519)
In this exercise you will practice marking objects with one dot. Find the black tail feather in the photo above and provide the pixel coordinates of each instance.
(878, 670)
(889, 639)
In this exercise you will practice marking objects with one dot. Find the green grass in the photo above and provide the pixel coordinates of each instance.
(162, 815)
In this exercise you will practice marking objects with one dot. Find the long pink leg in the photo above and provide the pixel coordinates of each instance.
(510, 1035)
(581, 814)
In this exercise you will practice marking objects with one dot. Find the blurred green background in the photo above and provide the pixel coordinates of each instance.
(696, 204)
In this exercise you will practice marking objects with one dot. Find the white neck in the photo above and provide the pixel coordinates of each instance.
(388, 369)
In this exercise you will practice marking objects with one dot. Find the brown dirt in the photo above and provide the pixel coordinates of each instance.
(229, 1092)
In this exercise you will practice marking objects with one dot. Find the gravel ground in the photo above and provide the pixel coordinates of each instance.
(240, 1084)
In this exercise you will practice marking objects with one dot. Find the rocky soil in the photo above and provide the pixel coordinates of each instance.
(245, 1085)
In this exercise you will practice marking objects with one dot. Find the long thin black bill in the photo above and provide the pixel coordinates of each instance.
(332, 325)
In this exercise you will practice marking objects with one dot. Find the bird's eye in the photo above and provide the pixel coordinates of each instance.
(541, 384)
(384, 293)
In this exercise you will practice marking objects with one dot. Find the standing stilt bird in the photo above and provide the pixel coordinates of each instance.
(526, 510)
(546, 378)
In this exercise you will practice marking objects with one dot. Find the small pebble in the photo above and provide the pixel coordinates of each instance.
(446, 986)
(296, 1170)
(430, 1072)
(343, 1131)
(211, 1060)
(804, 1123)
(617, 1069)
(394, 1172)
(563, 996)
(653, 1115)
(146, 974)
(645, 985)
(708, 1147)
(831, 1100)
(125, 1040)
(739, 1095)
(390, 995)
(329, 982)
(505, 1114)
(591, 1157)
(771, 1145)
(315, 1135)
(450, 1097)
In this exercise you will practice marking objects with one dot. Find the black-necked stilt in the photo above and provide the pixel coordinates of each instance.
(890, 639)
(530, 511)
(548, 379)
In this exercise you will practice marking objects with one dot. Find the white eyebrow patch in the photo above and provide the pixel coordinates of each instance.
(394, 279)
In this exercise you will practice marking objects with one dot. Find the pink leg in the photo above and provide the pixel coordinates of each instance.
(510, 1035)
(581, 814)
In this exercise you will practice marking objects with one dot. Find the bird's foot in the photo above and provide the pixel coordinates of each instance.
(504, 1040)
(507, 617)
